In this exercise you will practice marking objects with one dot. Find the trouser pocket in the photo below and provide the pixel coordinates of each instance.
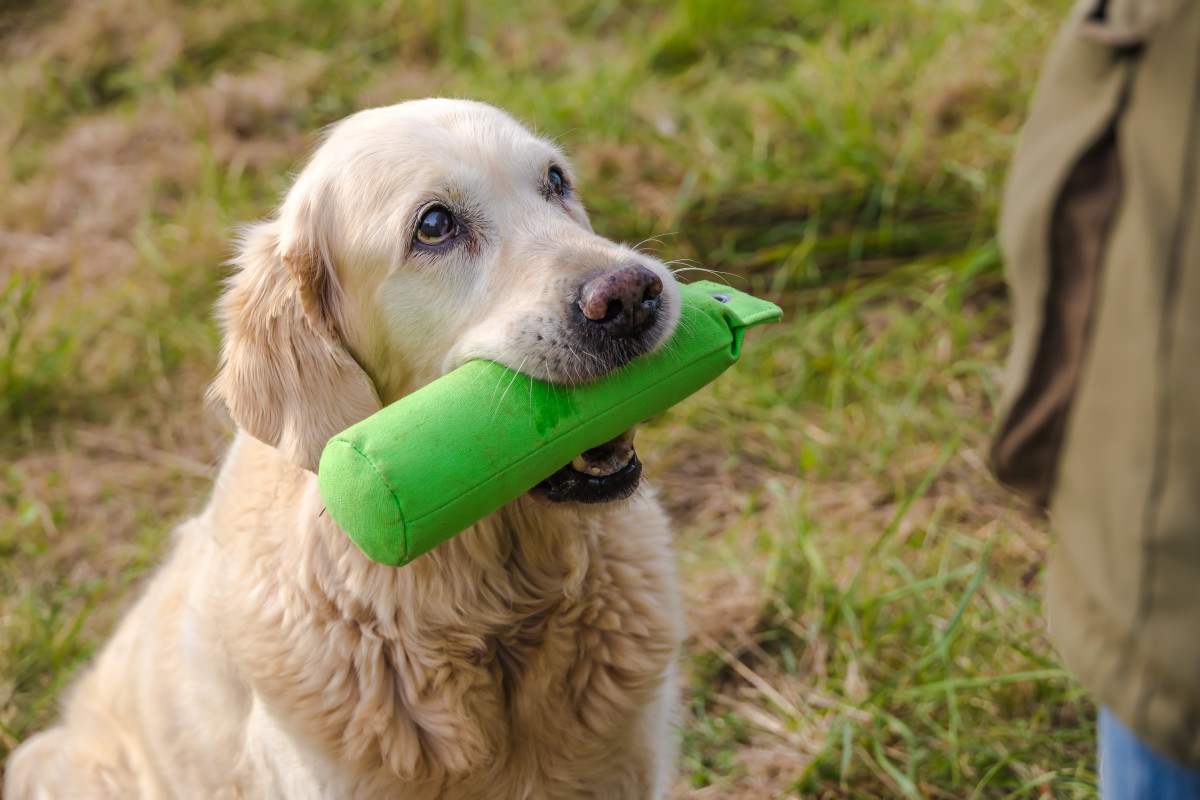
(1027, 446)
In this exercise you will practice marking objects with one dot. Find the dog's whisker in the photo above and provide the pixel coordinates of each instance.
(581, 373)
(554, 139)
(577, 372)
(516, 373)
(594, 357)
(687, 262)
(718, 273)
(684, 324)
(477, 374)
(499, 380)
(656, 239)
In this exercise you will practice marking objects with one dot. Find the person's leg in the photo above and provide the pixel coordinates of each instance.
(1129, 770)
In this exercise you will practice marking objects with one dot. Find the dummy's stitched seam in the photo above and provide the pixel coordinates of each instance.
(391, 491)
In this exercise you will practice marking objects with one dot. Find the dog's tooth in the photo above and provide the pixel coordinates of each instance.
(579, 463)
(624, 458)
(595, 470)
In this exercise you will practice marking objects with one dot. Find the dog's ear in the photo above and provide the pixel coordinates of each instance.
(285, 375)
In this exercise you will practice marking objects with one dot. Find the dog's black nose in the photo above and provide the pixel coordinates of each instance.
(623, 302)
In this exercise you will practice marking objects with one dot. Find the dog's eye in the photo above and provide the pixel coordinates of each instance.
(437, 226)
(557, 182)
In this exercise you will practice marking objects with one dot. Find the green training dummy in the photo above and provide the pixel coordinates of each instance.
(433, 463)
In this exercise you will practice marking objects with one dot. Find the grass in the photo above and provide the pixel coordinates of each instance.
(864, 603)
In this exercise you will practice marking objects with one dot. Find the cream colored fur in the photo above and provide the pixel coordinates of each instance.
(529, 657)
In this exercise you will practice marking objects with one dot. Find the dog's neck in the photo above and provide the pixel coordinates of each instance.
(523, 559)
(529, 548)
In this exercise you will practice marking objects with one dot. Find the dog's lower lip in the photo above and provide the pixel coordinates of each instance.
(608, 472)
(571, 485)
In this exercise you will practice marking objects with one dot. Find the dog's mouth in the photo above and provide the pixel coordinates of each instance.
(600, 475)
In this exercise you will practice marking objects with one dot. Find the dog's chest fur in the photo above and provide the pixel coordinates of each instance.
(494, 662)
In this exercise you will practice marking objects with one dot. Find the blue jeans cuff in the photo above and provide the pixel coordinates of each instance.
(1131, 770)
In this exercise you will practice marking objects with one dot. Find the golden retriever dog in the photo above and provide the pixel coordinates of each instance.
(529, 657)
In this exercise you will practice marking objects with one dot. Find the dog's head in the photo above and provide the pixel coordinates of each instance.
(418, 237)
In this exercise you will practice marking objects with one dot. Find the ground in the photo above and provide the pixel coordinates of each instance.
(864, 602)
